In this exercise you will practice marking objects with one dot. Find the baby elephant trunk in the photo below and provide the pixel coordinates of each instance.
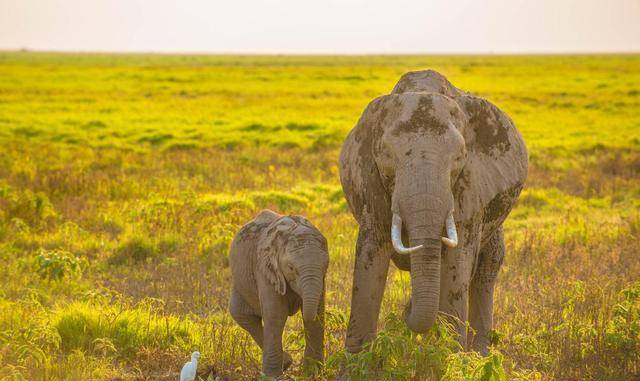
(311, 282)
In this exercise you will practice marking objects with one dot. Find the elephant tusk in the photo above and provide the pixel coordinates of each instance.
(396, 237)
(452, 235)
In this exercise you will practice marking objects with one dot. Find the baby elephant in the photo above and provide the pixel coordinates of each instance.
(278, 264)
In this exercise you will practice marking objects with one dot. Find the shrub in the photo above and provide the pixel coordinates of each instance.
(118, 328)
(56, 264)
(33, 208)
(399, 354)
(623, 329)
(135, 250)
(280, 200)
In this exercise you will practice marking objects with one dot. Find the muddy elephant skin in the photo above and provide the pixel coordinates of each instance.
(278, 266)
(429, 161)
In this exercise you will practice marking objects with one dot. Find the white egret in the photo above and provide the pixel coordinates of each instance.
(189, 369)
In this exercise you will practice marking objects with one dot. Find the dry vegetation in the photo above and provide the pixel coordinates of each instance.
(123, 179)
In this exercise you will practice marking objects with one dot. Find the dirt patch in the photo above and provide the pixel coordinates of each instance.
(423, 117)
(492, 137)
(502, 203)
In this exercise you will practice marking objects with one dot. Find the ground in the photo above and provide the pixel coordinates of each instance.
(123, 179)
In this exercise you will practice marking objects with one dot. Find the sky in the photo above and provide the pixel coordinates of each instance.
(322, 27)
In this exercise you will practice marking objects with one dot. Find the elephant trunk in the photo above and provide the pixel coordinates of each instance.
(311, 283)
(422, 201)
(421, 312)
(424, 232)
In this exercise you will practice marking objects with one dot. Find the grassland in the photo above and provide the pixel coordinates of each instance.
(124, 177)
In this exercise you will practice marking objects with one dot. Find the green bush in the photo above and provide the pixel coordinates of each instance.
(281, 201)
(623, 329)
(135, 250)
(119, 329)
(56, 264)
(399, 354)
(33, 208)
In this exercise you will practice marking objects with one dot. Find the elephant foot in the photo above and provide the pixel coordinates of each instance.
(481, 345)
(287, 360)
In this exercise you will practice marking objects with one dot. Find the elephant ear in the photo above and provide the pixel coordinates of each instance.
(496, 165)
(361, 181)
(270, 247)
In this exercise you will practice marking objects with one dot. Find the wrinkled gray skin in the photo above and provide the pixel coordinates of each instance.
(421, 151)
(278, 265)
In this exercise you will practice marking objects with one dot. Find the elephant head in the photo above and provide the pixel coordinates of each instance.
(293, 253)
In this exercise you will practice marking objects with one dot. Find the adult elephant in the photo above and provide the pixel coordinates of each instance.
(440, 169)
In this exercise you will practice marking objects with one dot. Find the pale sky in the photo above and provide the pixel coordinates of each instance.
(328, 26)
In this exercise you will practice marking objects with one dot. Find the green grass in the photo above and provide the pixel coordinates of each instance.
(123, 179)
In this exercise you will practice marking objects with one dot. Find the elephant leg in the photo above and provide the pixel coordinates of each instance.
(454, 291)
(369, 279)
(482, 286)
(246, 318)
(455, 276)
(272, 354)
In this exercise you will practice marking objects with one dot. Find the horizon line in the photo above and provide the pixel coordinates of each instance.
(327, 54)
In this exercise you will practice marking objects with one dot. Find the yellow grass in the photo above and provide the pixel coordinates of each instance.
(123, 179)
